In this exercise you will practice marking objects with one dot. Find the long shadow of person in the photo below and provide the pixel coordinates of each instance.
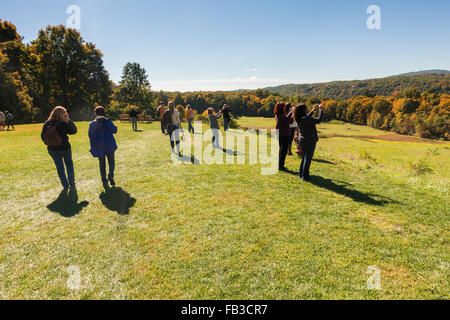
(191, 159)
(118, 200)
(67, 204)
(324, 161)
(342, 189)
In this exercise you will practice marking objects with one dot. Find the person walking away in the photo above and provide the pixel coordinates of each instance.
(214, 126)
(2, 121)
(172, 124)
(9, 120)
(308, 136)
(55, 135)
(190, 117)
(283, 127)
(160, 111)
(226, 111)
(103, 144)
(134, 117)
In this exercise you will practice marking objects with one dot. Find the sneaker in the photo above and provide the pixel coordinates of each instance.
(111, 181)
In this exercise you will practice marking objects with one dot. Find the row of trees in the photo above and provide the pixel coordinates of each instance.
(425, 114)
(436, 79)
(60, 68)
(57, 68)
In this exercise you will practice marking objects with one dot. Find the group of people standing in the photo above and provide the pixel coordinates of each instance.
(171, 122)
(6, 120)
(297, 121)
(56, 131)
(55, 134)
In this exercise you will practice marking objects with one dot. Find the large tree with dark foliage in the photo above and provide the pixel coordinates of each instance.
(134, 87)
(14, 80)
(67, 71)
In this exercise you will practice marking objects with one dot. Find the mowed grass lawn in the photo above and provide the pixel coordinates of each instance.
(173, 231)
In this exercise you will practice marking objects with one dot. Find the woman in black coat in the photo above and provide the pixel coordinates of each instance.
(308, 137)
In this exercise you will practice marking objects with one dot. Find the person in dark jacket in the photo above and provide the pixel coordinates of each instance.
(226, 111)
(284, 131)
(134, 117)
(9, 120)
(214, 126)
(62, 154)
(103, 144)
(308, 137)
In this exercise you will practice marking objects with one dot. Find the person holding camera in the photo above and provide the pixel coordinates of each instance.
(308, 137)
(55, 135)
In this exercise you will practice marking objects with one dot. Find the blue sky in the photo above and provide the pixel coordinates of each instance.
(226, 45)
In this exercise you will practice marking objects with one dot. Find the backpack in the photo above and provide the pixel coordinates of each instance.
(167, 119)
(52, 138)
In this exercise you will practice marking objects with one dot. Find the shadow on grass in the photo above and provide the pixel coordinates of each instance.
(118, 200)
(67, 204)
(341, 188)
(324, 161)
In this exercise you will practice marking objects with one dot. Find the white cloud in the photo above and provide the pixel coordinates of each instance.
(226, 84)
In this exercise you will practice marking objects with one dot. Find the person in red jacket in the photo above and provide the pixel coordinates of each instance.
(284, 131)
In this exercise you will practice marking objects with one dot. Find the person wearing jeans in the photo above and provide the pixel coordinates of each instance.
(226, 110)
(190, 117)
(61, 153)
(61, 158)
(160, 111)
(134, 119)
(283, 128)
(214, 126)
(103, 144)
(308, 136)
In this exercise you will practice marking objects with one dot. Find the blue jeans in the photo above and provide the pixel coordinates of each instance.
(190, 125)
(225, 124)
(308, 154)
(134, 123)
(60, 158)
(216, 138)
(162, 127)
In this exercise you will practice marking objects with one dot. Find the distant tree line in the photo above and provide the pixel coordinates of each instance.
(439, 82)
(60, 68)
(425, 114)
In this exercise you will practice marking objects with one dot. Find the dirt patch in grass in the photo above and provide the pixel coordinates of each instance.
(395, 137)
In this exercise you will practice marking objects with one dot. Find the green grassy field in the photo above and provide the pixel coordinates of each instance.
(226, 232)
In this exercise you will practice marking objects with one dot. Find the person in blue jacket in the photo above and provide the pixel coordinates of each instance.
(103, 144)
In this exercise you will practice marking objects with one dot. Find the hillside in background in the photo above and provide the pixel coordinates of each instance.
(438, 81)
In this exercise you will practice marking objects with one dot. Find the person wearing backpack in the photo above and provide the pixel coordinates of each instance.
(55, 135)
(103, 144)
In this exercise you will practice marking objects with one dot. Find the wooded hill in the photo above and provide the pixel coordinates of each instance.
(438, 82)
